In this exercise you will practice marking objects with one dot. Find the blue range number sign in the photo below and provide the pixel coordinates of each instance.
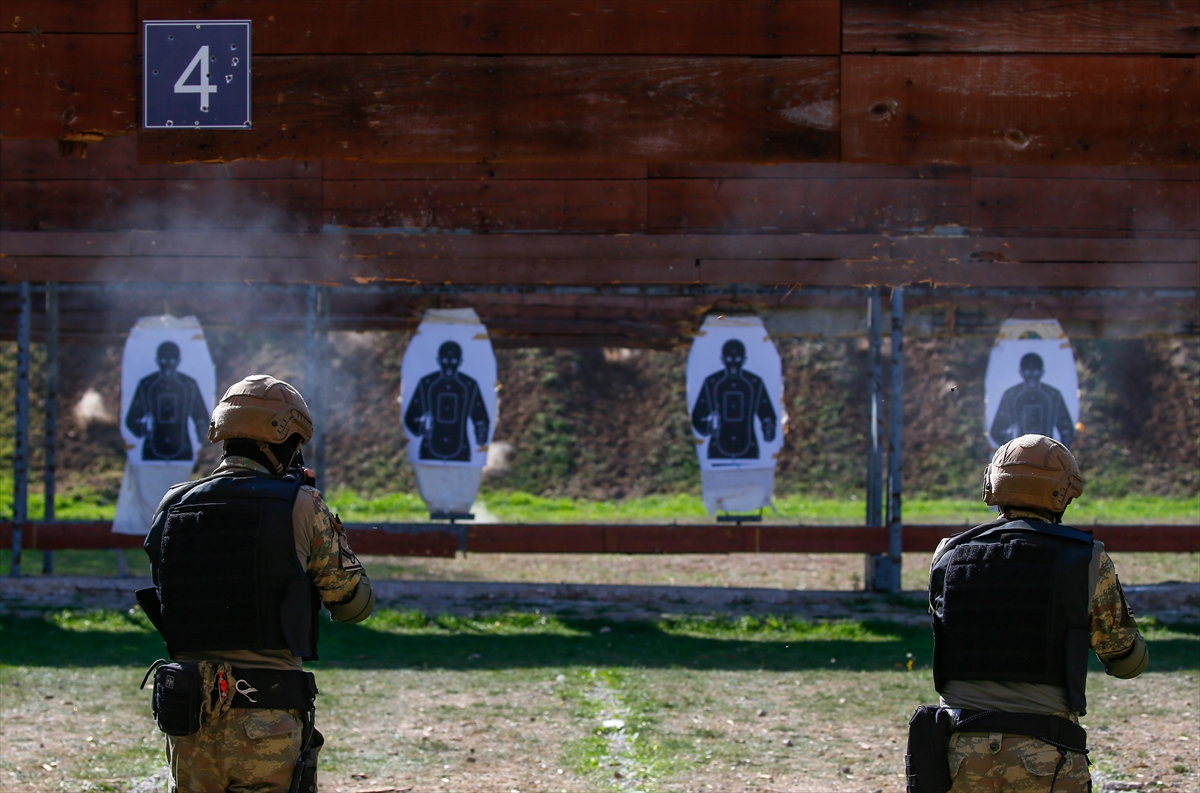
(196, 75)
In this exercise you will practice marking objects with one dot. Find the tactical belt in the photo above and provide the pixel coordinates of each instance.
(274, 688)
(1054, 730)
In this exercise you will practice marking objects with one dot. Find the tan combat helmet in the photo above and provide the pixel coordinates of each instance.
(1032, 471)
(262, 409)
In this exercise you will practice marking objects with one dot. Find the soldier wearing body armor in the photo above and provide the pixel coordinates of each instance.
(1018, 604)
(1031, 407)
(447, 408)
(243, 560)
(728, 403)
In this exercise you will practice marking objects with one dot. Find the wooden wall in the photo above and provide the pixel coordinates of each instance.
(994, 82)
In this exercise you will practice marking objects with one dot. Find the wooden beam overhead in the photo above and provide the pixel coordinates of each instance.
(1025, 26)
(527, 108)
(1053, 110)
(497, 259)
(525, 27)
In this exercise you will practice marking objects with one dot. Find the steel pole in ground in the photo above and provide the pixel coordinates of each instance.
(896, 451)
(874, 511)
(51, 434)
(21, 439)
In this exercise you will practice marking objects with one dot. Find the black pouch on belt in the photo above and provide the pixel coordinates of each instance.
(926, 764)
(177, 698)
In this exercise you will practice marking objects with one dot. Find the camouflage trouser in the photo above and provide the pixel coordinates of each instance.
(243, 750)
(996, 763)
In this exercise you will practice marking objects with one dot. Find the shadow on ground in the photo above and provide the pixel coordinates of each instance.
(40, 641)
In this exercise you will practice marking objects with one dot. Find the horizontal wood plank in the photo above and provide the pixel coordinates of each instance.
(1033, 206)
(62, 84)
(161, 203)
(829, 206)
(585, 108)
(116, 159)
(790, 273)
(953, 273)
(1026, 26)
(433, 540)
(1060, 110)
(525, 27)
(68, 16)
(501, 205)
(930, 250)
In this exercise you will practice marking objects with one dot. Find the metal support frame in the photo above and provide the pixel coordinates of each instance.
(21, 437)
(316, 346)
(888, 575)
(51, 431)
(874, 506)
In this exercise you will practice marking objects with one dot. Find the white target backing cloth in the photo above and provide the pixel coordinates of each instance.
(735, 400)
(1031, 385)
(168, 386)
(448, 406)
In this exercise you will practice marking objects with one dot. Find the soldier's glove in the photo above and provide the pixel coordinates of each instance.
(1132, 663)
(358, 607)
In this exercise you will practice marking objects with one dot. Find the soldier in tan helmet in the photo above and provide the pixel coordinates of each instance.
(243, 560)
(1017, 606)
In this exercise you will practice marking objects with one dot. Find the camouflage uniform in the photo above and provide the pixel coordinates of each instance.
(255, 749)
(999, 763)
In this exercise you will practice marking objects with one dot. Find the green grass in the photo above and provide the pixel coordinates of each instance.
(521, 507)
(406, 698)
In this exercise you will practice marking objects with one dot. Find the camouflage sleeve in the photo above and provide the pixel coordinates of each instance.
(334, 569)
(1113, 628)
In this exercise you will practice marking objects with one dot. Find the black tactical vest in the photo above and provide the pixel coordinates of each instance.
(1011, 603)
(223, 554)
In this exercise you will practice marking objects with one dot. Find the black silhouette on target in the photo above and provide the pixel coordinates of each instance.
(446, 410)
(728, 404)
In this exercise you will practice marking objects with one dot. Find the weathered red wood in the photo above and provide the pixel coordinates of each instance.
(500, 205)
(929, 250)
(387, 543)
(526, 27)
(1061, 110)
(116, 159)
(56, 85)
(1091, 26)
(823, 539)
(951, 273)
(521, 108)
(629, 539)
(1079, 207)
(77, 536)
(68, 16)
(830, 206)
(161, 203)
(355, 170)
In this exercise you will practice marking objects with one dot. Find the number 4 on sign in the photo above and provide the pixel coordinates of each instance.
(203, 88)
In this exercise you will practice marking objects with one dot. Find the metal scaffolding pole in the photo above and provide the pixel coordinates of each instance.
(895, 524)
(21, 439)
(51, 433)
(874, 516)
(316, 328)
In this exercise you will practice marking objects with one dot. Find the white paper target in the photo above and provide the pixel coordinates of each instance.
(168, 387)
(448, 390)
(735, 394)
(1031, 384)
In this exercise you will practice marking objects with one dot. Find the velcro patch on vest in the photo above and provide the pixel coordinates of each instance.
(999, 604)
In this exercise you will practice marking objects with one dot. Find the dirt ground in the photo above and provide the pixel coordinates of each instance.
(524, 730)
(777, 571)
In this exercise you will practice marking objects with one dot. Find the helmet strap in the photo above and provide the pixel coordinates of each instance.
(265, 448)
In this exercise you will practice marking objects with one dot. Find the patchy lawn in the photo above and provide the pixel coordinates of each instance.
(532, 702)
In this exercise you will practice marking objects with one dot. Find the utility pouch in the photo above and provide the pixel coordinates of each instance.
(926, 765)
(306, 768)
(177, 698)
